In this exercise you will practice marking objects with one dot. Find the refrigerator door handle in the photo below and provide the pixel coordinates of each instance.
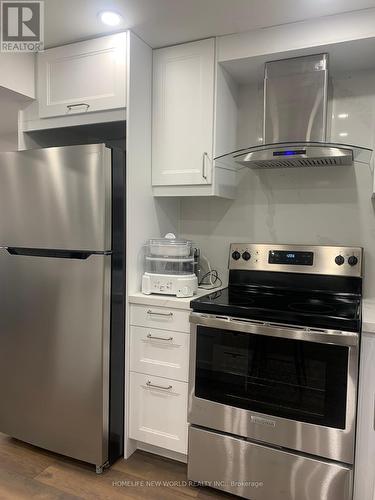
(52, 253)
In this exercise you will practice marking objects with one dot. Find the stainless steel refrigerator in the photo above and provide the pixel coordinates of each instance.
(62, 300)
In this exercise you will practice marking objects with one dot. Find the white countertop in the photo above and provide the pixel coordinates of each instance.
(167, 300)
(368, 315)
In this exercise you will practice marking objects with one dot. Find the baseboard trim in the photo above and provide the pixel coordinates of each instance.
(173, 455)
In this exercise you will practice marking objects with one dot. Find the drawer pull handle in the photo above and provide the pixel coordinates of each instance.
(152, 337)
(166, 315)
(165, 388)
(204, 174)
(70, 106)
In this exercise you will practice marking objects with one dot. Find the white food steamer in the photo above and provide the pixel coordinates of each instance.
(169, 267)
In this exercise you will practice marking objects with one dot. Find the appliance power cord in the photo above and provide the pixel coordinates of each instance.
(214, 281)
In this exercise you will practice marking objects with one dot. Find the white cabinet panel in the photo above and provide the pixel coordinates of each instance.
(83, 77)
(160, 353)
(364, 477)
(183, 114)
(161, 318)
(158, 412)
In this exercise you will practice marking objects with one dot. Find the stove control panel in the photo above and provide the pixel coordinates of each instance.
(330, 260)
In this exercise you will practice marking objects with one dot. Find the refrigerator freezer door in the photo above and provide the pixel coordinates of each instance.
(56, 198)
(54, 353)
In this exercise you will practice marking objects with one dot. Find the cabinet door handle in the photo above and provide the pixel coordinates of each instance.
(204, 173)
(374, 414)
(163, 387)
(71, 106)
(152, 337)
(155, 313)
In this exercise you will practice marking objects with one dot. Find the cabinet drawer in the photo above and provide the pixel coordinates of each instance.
(158, 412)
(83, 77)
(162, 318)
(159, 353)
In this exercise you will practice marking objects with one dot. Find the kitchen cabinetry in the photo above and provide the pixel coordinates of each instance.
(82, 77)
(160, 317)
(364, 477)
(158, 411)
(159, 359)
(183, 123)
(183, 113)
(159, 352)
(83, 83)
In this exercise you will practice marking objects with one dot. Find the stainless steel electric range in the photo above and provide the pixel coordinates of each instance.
(273, 374)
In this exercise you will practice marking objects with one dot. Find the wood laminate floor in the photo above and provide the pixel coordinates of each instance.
(28, 473)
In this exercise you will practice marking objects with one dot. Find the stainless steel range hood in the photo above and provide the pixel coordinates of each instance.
(300, 155)
(295, 119)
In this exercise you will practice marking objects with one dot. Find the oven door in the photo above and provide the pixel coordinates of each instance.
(281, 385)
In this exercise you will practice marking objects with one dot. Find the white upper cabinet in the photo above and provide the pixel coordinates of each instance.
(183, 114)
(83, 77)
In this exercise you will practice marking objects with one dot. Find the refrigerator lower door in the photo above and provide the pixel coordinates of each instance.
(54, 352)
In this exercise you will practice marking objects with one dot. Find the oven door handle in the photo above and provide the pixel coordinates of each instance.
(275, 330)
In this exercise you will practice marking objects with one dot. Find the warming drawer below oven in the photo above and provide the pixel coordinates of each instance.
(258, 472)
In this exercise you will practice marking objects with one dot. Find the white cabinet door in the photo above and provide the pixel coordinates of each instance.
(83, 77)
(183, 114)
(159, 352)
(158, 412)
(364, 476)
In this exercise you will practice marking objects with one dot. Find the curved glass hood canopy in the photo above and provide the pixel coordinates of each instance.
(295, 121)
(298, 154)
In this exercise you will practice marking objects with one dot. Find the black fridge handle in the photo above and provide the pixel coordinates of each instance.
(58, 254)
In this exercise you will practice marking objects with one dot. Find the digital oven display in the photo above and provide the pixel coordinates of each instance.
(291, 258)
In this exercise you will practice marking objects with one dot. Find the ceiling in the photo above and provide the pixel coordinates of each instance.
(167, 22)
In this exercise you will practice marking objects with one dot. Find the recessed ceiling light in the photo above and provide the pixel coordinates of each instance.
(110, 18)
(342, 116)
(343, 134)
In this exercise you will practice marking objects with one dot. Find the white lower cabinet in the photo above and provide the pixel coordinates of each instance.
(159, 352)
(159, 373)
(158, 411)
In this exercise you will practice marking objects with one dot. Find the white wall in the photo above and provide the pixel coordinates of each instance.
(9, 141)
(10, 105)
(308, 206)
(148, 217)
(17, 73)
